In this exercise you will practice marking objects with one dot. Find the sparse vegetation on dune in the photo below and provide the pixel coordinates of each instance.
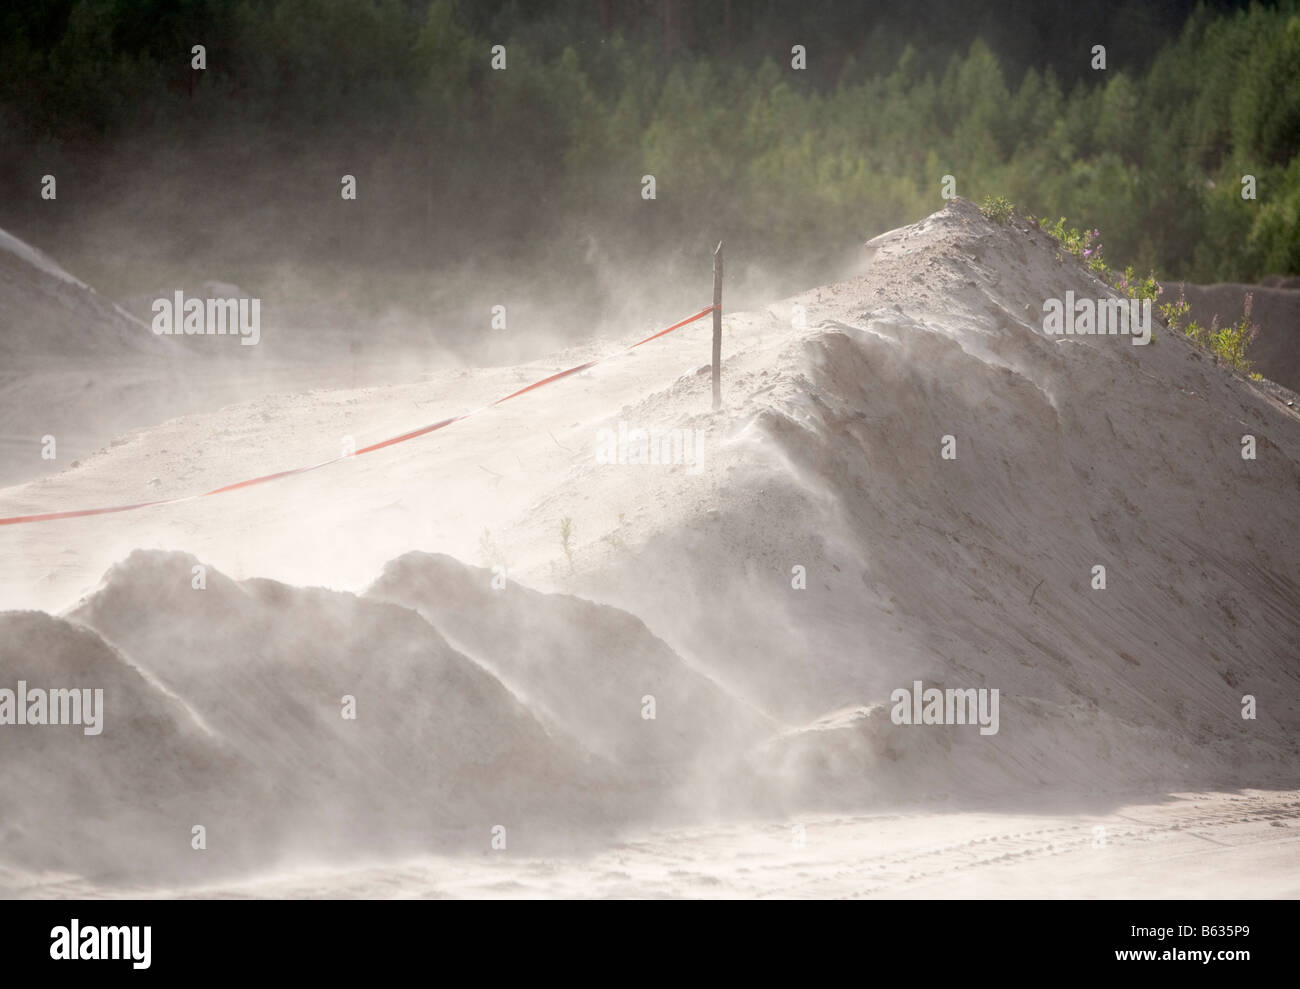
(1229, 343)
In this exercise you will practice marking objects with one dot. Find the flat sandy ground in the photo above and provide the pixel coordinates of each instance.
(1189, 845)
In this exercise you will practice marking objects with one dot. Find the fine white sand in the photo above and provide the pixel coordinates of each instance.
(523, 706)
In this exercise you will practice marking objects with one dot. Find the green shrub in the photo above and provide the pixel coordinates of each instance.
(1083, 245)
(1228, 343)
(997, 208)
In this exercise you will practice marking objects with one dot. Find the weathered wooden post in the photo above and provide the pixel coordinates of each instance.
(717, 327)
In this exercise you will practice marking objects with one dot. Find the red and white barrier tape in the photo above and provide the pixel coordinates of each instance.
(424, 430)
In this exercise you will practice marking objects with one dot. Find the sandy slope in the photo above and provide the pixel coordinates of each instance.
(972, 572)
(77, 367)
(579, 665)
(45, 310)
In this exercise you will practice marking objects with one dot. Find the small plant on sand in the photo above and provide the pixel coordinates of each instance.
(1139, 288)
(1177, 315)
(1084, 244)
(566, 533)
(1228, 343)
(997, 208)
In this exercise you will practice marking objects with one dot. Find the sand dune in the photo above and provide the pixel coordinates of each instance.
(771, 595)
(585, 667)
(46, 311)
(79, 368)
(122, 803)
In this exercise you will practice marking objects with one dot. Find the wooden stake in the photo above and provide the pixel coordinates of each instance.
(717, 327)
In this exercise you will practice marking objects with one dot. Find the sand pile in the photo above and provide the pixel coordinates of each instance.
(588, 670)
(123, 801)
(46, 312)
(231, 706)
(1071, 452)
(909, 482)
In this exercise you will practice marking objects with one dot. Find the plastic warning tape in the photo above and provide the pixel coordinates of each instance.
(393, 441)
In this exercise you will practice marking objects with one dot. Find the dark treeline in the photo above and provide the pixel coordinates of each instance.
(469, 177)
